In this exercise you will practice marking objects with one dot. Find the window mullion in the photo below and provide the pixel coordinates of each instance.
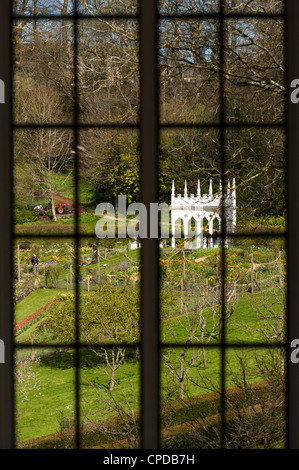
(6, 249)
(150, 248)
(293, 221)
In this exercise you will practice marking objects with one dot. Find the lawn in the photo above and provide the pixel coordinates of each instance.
(51, 402)
(54, 398)
(33, 302)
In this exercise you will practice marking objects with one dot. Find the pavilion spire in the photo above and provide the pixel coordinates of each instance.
(198, 188)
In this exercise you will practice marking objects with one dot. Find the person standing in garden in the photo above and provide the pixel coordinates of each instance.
(34, 262)
(95, 250)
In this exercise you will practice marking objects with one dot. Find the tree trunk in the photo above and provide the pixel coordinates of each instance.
(204, 356)
(112, 379)
(282, 361)
(182, 375)
(53, 209)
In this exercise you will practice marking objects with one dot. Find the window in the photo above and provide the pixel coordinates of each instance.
(149, 67)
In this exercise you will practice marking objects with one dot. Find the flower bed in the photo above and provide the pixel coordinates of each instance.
(21, 326)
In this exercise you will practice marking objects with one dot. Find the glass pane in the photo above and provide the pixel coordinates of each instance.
(108, 71)
(109, 175)
(254, 85)
(107, 7)
(256, 290)
(255, 401)
(43, 181)
(191, 209)
(45, 400)
(191, 295)
(256, 179)
(189, 71)
(254, 6)
(183, 7)
(43, 282)
(109, 293)
(110, 398)
(190, 398)
(43, 7)
(43, 72)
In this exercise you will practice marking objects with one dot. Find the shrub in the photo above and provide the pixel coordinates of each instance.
(53, 273)
(23, 216)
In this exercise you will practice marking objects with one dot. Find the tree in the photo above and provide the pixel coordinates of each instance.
(112, 316)
(44, 153)
(109, 316)
(120, 422)
(195, 328)
(270, 322)
(254, 405)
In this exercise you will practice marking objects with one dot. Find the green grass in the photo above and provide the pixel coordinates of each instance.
(56, 379)
(33, 302)
(56, 393)
(56, 374)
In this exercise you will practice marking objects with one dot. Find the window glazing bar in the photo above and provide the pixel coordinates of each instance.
(6, 292)
(292, 45)
(150, 246)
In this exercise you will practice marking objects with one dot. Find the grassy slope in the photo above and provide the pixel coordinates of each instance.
(33, 302)
(56, 376)
(56, 379)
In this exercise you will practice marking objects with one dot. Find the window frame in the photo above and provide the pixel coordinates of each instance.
(149, 127)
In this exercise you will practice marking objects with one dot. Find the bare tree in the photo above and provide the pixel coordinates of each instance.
(270, 312)
(200, 326)
(44, 153)
(120, 419)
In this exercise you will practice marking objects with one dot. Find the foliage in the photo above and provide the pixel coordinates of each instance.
(22, 325)
(125, 177)
(61, 319)
(110, 314)
(52, 273)
(24, 216)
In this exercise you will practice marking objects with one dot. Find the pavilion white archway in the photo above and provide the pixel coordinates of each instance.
(200, 208)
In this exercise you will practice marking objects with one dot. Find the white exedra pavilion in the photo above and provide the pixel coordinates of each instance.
(198, 218)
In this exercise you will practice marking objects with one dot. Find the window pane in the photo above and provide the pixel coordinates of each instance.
(173, 7)
(255, 401)
(256, 179)
(190, 398)
(45, 400)
(254, 6)
(254, 85)
(109, 173)
(110, 399)
(100, 7)
(108, 71)
(43, 7)
(189, 71)
(43, 282)
(44, 201)
(109, 293)
(256, 290)
(190, 266)
(43, 72)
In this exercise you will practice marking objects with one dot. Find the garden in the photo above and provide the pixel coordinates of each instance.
(109, 377)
